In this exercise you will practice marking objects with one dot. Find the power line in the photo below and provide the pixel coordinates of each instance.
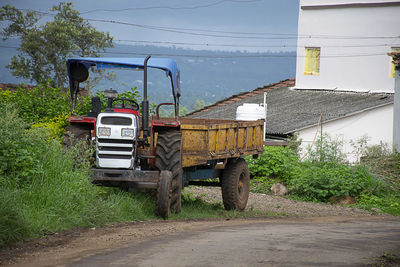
(253, 35)
(244, 45)
(167, 7)
(170, 29)
(251, 55)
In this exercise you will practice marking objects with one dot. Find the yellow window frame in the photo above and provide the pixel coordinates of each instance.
(312, 61)
(392, 69)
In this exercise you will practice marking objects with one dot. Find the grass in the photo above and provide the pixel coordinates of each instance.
(387, 259)
(195, 208)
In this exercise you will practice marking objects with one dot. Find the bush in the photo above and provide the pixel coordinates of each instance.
(331, 179)
(323, 175)
(326, 149)
(384, 163)
(38, 104)
(276, 163)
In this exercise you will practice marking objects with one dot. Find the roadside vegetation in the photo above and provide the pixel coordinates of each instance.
(324, 176)
(45, 188)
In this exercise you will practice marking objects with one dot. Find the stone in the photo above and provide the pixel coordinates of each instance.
(279, 189)
(343, 200)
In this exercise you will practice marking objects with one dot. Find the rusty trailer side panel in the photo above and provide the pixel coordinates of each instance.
(208, 139)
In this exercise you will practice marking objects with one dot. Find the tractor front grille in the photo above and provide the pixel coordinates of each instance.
(115, 149)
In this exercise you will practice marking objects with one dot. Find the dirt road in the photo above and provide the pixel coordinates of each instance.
(321, 241)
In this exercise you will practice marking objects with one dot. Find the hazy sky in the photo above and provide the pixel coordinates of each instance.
(253, 25)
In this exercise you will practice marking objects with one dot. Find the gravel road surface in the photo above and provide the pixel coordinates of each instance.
(307, 234)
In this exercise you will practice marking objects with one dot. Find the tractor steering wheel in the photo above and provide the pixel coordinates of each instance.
(133, 103)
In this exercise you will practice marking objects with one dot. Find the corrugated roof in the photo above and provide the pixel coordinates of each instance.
(244, 95)
(290, 110)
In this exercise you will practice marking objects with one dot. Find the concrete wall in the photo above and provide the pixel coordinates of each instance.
(376, 124)
(353, 43)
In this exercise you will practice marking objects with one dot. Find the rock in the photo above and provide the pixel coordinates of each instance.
(376, 210)
(344, 200)
(279, 189)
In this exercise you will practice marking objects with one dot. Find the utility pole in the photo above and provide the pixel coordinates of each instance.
(396, 105)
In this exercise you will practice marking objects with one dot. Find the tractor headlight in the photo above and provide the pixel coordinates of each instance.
(127, 132)
(104, 131)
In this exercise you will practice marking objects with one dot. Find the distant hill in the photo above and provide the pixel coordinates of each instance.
(203, 75)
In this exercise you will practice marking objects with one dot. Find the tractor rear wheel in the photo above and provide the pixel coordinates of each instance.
(169, 157)
(163, 199)
(235, 185)
(74, 133)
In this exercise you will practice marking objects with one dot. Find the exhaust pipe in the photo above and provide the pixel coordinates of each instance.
(145, 102)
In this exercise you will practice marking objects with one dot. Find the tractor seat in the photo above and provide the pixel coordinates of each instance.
(126, 106)
(96, 107)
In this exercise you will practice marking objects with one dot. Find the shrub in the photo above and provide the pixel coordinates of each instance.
(55, 126)
(331, 179)
(384, 163)
(38, 104)
(17, 157)
(326, 149)
(275, 163)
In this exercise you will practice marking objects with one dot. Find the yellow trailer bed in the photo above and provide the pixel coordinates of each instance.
(209, 139)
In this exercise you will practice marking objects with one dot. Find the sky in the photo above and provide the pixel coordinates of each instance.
(231, 25)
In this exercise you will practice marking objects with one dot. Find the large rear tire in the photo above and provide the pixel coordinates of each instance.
(235, 185)
(74, 133)
(163, 199)
(169, 157)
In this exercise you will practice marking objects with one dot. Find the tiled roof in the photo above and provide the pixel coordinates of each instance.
(244, 95)
(290, 110)
(13, 87)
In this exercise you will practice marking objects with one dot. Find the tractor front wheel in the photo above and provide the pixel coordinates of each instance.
(163, 199)
(169, 157)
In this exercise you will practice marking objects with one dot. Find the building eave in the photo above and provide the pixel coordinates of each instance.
(339, 118)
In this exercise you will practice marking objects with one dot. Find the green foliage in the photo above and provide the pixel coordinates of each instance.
(13, 225)
(384, 163)
(45, 48)
(323, 175)
(276, 162)
(388, 202)
(294, 143)
(38, 104)
(44, 189)
(326, 149)
(199, 104)
(183, 110)
(331, 179)
(55, 126)
(17, 156)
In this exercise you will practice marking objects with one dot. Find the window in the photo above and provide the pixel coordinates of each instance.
(392, 69)
(312, 61)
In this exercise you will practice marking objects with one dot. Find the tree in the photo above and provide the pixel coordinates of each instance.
(45, 48)
(199, 104)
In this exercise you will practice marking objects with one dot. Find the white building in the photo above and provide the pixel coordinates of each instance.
(344, 76)
(343, 46)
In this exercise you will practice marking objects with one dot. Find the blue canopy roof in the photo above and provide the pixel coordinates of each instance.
(166, 64)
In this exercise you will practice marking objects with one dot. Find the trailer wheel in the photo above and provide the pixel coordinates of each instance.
(163, 199)
(169, 157)
(235, 185)
(74, 133)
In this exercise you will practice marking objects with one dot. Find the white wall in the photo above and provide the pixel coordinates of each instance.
(377, 124)
(364, 67)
